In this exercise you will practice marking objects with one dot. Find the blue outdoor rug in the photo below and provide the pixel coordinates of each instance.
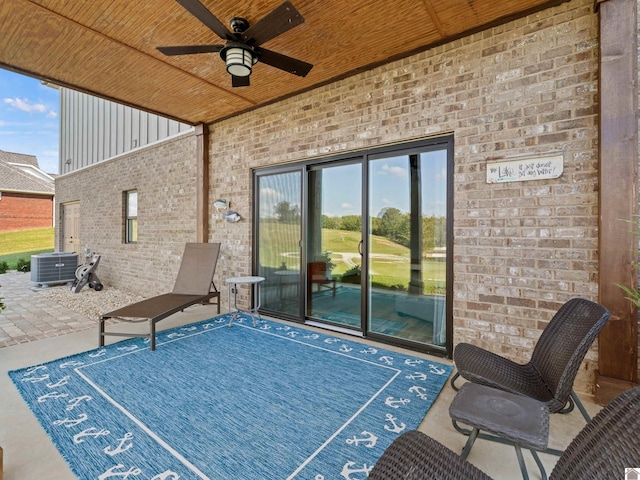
(212, 402)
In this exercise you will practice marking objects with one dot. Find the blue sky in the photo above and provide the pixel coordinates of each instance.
(29, 121)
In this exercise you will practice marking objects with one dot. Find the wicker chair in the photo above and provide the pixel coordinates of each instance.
(549, 375)
(604, 447)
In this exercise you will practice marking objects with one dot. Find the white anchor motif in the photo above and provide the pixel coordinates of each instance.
(208, 325)
(33, 370)
(293, 334)
(370, 350)
(130, 348)
(391, 402)
(188, 329)
(121, 446)
(41, 378)
(419, 391)
(265, 327)
(68, 422)
(46, 396)
(168, 475)
(89, 432)
(436, 370)
(386, 359)
(74, 402)
(412, 362)
(368, 441)
(99, 353)
(124, 474)
(345, 348)
(63, 381)
(71, 364)
(394, 427)
(417, 376)
(175, 335)
(347, 471)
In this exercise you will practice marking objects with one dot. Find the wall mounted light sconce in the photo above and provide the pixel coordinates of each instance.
(221, 204)
(231, 217)
(67, 161)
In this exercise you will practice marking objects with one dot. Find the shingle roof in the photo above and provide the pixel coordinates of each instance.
(19, 158)
(14, 178)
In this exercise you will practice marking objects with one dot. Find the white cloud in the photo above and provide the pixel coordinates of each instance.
(26, 105)
(347, 206)
(397, 171)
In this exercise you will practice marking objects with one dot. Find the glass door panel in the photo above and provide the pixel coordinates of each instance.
(278, 233)
(334, 244)
(407, 246)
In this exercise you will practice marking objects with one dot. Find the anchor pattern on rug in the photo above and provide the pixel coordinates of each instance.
(349, 455)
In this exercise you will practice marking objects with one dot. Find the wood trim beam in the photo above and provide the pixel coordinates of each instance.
(618, 342)
(202, 183)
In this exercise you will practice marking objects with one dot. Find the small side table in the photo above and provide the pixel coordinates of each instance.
(233, 283)
(515, 420)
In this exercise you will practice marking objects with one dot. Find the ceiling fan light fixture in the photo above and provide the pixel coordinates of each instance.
(239, 60)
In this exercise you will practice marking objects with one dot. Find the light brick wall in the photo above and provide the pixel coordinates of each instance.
(164, 176)
(527, 87)
(22, 211)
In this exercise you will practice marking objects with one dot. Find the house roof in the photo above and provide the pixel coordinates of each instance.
(108, 47)
(21, 174)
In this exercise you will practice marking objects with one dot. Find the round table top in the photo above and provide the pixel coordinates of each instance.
(249, 279)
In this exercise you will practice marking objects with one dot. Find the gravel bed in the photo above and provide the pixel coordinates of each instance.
(88, 302)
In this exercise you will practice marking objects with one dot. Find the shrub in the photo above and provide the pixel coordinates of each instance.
(23, 265)
(4, 266)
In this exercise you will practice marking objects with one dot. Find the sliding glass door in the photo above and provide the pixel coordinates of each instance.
(361, 243)
(334, 244)
(407, 245)
(278, 240)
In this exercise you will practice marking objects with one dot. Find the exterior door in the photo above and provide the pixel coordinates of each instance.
(407, 245)
(334, 244)
(71, 227)
(278, 239)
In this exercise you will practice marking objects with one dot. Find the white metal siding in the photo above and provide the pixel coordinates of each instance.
(94, 129)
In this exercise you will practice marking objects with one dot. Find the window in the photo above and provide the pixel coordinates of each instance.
(131, 216)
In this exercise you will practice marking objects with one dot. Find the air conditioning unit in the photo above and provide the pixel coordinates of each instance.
(52, 268)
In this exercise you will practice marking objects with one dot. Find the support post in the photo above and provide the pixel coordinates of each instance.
(202, 183)
(618, 246)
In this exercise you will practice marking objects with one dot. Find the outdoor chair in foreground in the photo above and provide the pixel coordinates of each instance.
(194, 284)
(603, 449)
(548, 377)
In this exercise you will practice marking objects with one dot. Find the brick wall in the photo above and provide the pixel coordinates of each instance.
(21, 211)
(527, 87)
(164, 176)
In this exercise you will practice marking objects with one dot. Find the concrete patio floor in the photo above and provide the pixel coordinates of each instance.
(34, 329)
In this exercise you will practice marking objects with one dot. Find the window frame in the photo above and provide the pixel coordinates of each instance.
(130, 230)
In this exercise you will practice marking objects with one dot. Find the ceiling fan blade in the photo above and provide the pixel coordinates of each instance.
(190, 49)
(239, 81)
(195, 8)
(281, 19)
(283, 62)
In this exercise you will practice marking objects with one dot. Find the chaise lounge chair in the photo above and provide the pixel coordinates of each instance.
(193, 285)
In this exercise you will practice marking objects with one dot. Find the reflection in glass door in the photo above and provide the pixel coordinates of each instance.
(278, 228)
(334, 244)
(407, 246)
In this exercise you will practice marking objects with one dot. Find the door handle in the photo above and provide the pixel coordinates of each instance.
(360, 247)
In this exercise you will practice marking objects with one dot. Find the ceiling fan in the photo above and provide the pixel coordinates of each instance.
(242, 48)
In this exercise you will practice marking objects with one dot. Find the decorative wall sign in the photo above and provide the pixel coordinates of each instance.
(525, 168)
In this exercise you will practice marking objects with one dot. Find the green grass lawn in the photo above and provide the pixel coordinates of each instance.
(390, 262)
(19, 245)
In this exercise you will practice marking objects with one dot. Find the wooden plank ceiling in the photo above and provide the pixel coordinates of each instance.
(108, 47)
